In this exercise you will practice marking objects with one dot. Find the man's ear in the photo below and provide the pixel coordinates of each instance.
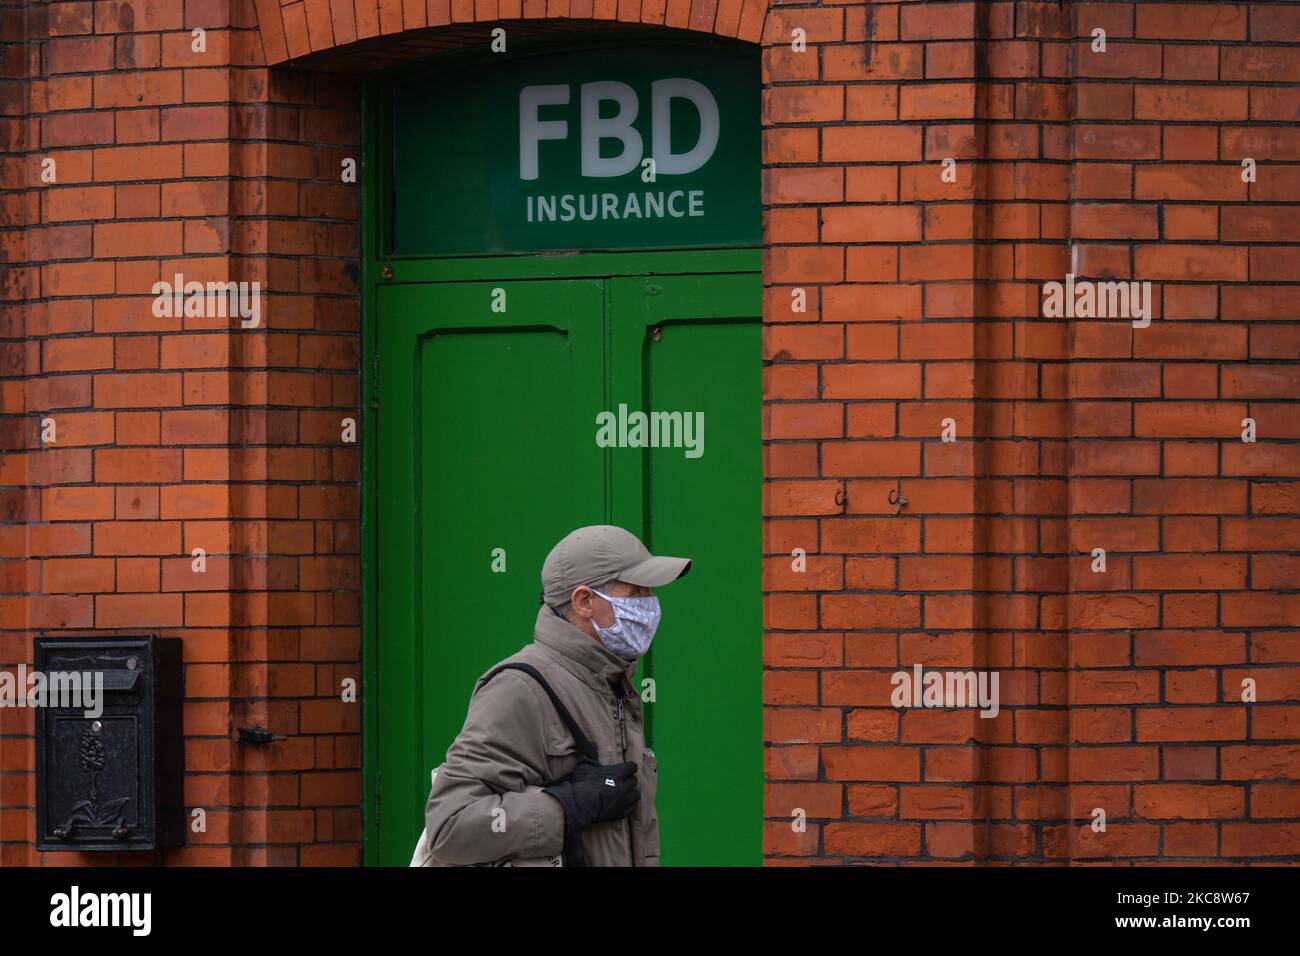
(585, 599)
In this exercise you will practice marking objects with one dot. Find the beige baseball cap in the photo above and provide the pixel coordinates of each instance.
(601, 553)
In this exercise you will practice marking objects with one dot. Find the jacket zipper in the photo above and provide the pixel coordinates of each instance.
(622, 742)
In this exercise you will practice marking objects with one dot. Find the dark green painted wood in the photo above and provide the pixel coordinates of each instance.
(478, 170)
(594, 264)
(371, 183)
(478, 416)
(691, 344)
(487, 439)
(456, 362)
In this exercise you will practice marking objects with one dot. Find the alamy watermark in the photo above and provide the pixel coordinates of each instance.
(921, 688)
(1089, 299)
(71, 690)
(651, 430)
(74, 908)
(208, 300)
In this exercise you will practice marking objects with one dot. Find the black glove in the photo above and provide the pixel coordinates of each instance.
(594, 793)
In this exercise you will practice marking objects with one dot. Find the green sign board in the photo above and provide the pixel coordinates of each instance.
(611, 148)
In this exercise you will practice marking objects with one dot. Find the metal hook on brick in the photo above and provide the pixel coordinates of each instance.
(897, 498)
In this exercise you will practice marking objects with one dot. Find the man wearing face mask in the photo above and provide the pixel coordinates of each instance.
(515, 784)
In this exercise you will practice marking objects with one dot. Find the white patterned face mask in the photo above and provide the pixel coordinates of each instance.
(635, 621)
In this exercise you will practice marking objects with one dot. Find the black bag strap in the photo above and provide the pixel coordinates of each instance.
(585, 746)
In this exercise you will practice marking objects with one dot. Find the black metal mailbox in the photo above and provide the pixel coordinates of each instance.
(109, 762)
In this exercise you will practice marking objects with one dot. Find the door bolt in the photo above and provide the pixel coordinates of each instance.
(388, 270)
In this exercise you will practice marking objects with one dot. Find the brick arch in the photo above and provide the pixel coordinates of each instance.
(302, 28)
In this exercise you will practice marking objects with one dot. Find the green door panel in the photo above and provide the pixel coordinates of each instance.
(690, 344)
(477, 420)
(486, 432)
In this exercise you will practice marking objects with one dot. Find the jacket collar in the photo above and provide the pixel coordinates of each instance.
(595, 663)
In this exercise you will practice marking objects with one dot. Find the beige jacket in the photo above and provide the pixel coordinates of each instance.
(479, 811)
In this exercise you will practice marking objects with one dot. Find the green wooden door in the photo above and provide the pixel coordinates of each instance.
(691, 344)
(489, 397)
(470, 403)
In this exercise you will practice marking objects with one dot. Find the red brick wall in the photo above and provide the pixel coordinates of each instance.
(183, 433)
(1119, 691)
(1122, 690)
